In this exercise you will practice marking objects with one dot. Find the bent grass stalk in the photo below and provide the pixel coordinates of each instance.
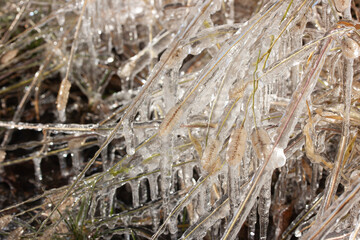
(340, 159)
(300, 94)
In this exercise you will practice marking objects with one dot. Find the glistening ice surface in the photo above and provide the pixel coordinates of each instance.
(179, 119)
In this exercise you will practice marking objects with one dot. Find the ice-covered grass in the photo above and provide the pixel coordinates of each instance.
(179, 119)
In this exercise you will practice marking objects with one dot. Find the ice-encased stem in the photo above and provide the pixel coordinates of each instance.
(335, 212)
(333, 181)
(220, 211)
(303, 216)
(285, 129)
(179, 206)
(166, 172)
(21, 106)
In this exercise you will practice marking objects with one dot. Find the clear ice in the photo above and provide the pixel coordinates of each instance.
(182, 119)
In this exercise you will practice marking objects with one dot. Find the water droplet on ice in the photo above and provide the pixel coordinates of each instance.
(130, 151)
(278, 158)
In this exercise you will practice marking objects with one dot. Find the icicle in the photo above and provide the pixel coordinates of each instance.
(135, 193)
(93, 207)
(143, 191)
(111, 196)
(170, 85)
(229, 11)
(129, 137)
(201, 202)
(37, 167)
(264, 207)
(107, 163)
(301, 183)
(74, 146)
(234, 188)
(207, 196)
(62, 164)
(166, 171)
(215, 230)
(172, 226)
(76, 160)
(252, 219)
(314, 180)
(155, 216)
(153, 187)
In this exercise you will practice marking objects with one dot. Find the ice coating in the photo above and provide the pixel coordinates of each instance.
(180, 119)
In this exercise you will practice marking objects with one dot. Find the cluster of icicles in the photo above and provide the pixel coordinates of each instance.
(234, 129)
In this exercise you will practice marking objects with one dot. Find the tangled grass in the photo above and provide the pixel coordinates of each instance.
(179, 119)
